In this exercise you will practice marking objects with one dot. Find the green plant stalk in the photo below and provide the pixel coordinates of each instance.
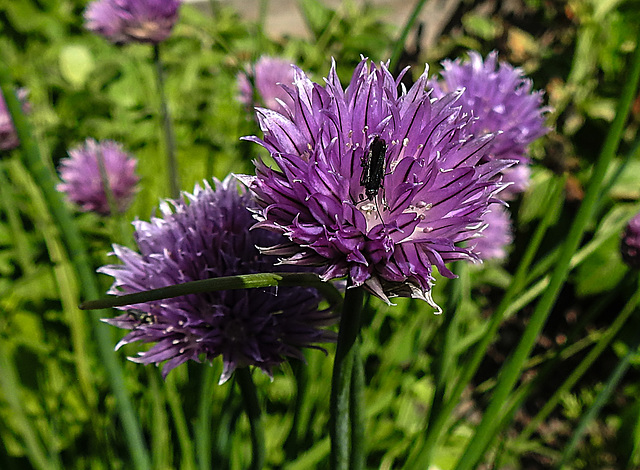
(520, 395)
(225, 424)
(78, 254)
(339, 421)
(18, 238)
(242, 281)
(120, 235)
(9, 384)
(161, 444)
(187, 462)
(356, 410)
(169, 137)
(301, 379)
(444, 361)
(534, 291)
(582, 368)
(64, 275)
(436, 425)
(597, 405)
(511, 369)
(254, 413)
(203, 422)
(263, 9)
(399, 44)
(322, 43)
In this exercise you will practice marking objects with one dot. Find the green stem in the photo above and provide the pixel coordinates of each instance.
(511, 369)
(9, 384)
(120, 235)
(169, 138)
(444, 361)
(339, 421)
(242, 281)
(582, 368)
(182, 430)
(441, 416)
(254, 413)
(203, 423)
(78, 254)
(599, 402)
(301, 379)
(399, 44)
(160, 435)
(19, 240)
(356, 411)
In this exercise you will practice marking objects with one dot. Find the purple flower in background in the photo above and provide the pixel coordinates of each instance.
(630, 244)
(268, 74)
(123, 21)
(497, 234)
(502, 99)
(8, 135)
(206, 238)
(371, 185)
(82, 181)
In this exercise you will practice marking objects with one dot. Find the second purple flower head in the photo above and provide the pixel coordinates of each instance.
(124, 21)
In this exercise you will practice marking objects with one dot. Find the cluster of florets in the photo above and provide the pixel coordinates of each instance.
(504, 104)
(374, 185)
(370, 184)
(262, 84)
(87, 169)
(205, 235)
(124, 21)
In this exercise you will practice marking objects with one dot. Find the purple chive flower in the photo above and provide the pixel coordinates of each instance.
(8, 135)
(382, 217)
(82, 181)
(267, 76)
(630, 244)
(497, 234)
(205, 238)
(502, 99)
(124, 21)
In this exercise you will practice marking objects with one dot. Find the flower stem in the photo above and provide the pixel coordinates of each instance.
(584, 365)
(346, 349)
(511, 370)
(439, 416)
(203, 421)
(301, 379)
(9, 383)
(241, 281)
(600, 401)
(78, 254)
(254, 413)
(120, 234)
(399, 44)
(356, 411)
(169, 138)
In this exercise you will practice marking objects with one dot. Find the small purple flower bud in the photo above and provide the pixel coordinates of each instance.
(124, 21)
(205, 235)
(82, 181)
(264, 83)
(630, 244)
